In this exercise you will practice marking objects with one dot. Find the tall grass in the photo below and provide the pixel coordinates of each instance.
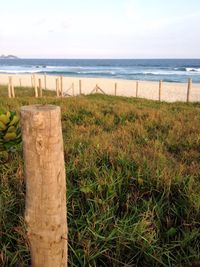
(133, 183)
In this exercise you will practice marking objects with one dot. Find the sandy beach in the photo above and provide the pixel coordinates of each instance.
(171, 92)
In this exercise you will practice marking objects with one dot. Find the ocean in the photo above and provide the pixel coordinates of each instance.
(168, 70)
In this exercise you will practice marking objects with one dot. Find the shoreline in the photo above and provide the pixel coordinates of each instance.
(93, 77)
(169, 91)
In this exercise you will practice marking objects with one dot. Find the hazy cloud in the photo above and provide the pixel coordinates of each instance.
(114, 28)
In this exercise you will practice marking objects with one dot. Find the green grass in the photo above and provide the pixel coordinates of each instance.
(133, 180)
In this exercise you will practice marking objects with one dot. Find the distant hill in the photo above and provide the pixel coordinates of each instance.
(8, 57)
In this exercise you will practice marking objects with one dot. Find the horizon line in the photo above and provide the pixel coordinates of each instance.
(121, 58)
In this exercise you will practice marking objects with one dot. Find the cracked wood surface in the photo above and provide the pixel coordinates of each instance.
(45, 212)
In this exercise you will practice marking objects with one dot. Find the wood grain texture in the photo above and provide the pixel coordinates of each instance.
(45, 212)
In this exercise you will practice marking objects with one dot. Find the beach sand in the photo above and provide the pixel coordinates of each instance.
(171, 92)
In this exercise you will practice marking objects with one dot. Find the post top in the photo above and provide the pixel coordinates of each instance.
(40, 108)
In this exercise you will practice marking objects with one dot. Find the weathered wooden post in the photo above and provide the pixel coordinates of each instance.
(35, 85)
(9, 87)
(137, 88)
(72, 89)
(45, 81)
(189, 89)
(45, 212)
(61, 86)
(20, 82)
(80, 87)
(57, 88)
(160, 90)
(32, 81)
(115, 89)
(12, 88)
(40, 87)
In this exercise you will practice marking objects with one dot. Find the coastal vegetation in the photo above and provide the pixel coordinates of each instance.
(133, 182)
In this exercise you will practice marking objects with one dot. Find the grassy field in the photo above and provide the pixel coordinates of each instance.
(133, 182)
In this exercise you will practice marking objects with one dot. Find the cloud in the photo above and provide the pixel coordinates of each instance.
(134, 9)
(49, 25)
(41, 21)
(65, 24)
(145, 17)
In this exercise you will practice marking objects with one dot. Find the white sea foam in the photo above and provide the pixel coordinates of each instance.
(97, 72)
(158, 73)
(19, 71)
(96, 68)
(192, 69)
(68, 67)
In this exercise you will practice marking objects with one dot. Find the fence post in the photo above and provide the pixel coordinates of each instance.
(40, 87)
(20, 82)
(72, 89)
(61, 86)
(115, 89)
(35, 85)
(45, 81)
(80, 87)
(45, 212)
(189, 89)
(12, 88)
(9, 87)
(137, 88)
(57, 88)
(32, 81)
(160, 90)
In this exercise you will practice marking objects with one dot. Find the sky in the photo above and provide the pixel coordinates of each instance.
(100, 28)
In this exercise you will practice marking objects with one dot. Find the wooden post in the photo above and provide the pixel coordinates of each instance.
(45, 81)
(57, 88)
(61, 86)
(12, 88)
(72, 89)
(20, 82)
(9, 87)
(189, 89)
(80, 87)
(40, 87)
(45, 212)
(137, 88)
(35, 85)
(115, 89)
(32, 82)
(160, 90)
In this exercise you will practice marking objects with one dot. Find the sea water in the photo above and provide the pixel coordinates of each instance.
(168, 70)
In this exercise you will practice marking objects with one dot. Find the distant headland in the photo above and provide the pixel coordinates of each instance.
(8, 57)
